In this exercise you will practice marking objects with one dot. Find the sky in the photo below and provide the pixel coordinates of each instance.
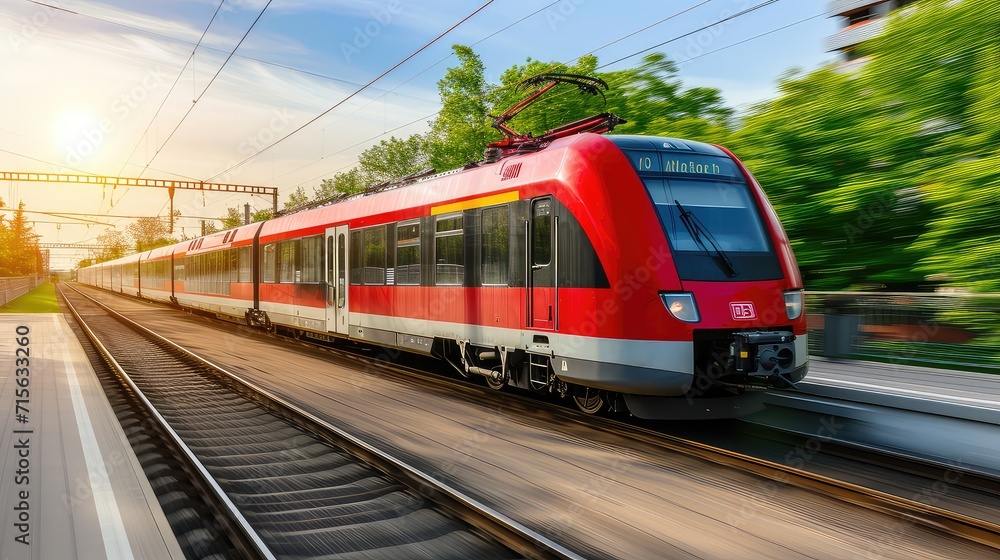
(272, 93)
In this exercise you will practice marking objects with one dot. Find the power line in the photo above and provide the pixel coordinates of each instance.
(758, 36)
(208, 47)
(164, 102)
(399, 85)
(723, 20)
(623, 37)
(357, 91)
(210, 82)
(728, 18)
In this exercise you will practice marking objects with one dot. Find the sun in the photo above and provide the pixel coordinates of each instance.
(74, 126)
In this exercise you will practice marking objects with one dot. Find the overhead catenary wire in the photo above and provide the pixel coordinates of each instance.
(689, 33)
(164, 101)
(210, 82)
(209, 47)
(675, 38)
(494, 91)
(356, 92)
(595, 50)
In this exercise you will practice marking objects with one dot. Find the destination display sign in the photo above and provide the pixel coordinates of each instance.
(683, 164)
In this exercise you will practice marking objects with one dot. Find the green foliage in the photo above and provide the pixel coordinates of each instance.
(297, 198)
(342, 183)
(150, 233)
(232, 219)
(888, 175)
(19, 253)
(462, 128)
(649, 97)
(116, 244)
(559, 106)
(393, 158)
(827, 152)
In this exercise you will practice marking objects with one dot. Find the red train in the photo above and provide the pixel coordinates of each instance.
(621, 271)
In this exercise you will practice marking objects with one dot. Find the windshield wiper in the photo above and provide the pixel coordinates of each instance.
(697, 231)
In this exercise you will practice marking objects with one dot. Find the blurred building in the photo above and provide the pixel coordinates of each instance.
(859, 20)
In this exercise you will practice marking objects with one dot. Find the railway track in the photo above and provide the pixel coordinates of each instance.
(288, 484)
(933, 514)
(949, 498)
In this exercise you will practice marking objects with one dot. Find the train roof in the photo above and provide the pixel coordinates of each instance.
(239, 236)
(663, 144)
(441, 189)
(459, 185)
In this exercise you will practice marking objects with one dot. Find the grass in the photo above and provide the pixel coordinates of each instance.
(40, 300)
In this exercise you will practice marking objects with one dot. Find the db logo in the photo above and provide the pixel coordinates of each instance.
(742, 310)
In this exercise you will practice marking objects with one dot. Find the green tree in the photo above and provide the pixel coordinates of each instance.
(116, 245)
(462, 128)
(947, 92)
(232, 219)
(393, 158)
(297, 198)
(150, 233)
(343, 183)
(19, 252)
(559, 106)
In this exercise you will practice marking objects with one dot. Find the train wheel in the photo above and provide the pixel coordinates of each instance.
(589, 401)
(496, 381)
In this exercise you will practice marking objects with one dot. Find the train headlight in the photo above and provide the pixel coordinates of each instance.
(681, 306)
(793, 304)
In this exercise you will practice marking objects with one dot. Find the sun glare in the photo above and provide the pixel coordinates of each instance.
(72, 126)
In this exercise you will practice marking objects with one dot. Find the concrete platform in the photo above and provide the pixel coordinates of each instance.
(963, 388)
(70, 487)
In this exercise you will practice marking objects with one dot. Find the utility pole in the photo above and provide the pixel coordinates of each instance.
(246, 213)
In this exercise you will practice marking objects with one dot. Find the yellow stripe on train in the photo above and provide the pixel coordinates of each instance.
(490, 200)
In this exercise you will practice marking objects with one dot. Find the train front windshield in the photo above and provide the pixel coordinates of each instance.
(710, 217)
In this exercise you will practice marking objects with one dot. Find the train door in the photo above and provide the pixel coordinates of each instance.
(541, 258)
(336, 279)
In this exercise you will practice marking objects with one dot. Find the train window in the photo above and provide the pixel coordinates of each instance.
(234, 266)
(287, 265)
(449, 251)
(408, 254)
(542, 232)
(496, 238)
(267, 263)
(356, 245)
(374, 255)
(246, 264)
(311, 259)
(726, 210)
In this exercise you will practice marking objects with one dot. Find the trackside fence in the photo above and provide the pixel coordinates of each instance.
(951, 331)
(13, 287)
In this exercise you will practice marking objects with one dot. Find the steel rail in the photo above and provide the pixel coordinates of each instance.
(500, 527)
(244, 536)
(908, 511)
